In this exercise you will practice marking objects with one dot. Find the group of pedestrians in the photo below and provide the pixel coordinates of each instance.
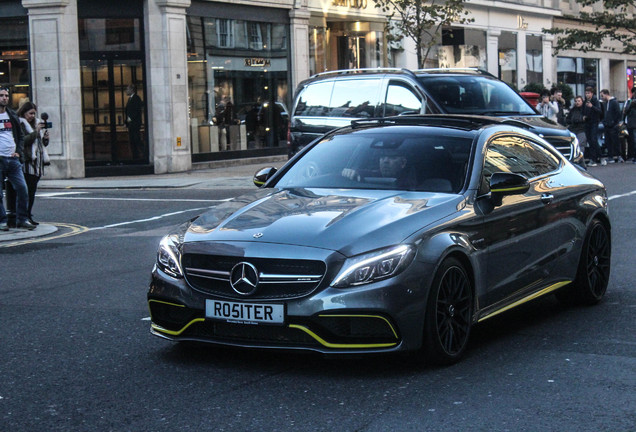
(23, 138)
(587, 113)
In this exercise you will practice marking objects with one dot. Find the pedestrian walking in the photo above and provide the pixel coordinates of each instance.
(611, 119)
(134, 107)
(629, 118)
(592, 116)
(11, 147)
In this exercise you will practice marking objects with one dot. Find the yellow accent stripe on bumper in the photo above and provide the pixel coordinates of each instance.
(343, 346)
(532, 296)
(175, 332)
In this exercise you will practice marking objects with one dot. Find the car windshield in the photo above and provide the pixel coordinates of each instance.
(475, 95)
(387, 159)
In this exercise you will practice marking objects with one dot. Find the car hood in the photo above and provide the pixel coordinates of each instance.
(542, 125)
(349, 221)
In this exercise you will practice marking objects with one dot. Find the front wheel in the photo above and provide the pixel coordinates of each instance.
(449, 313)
(593, 272)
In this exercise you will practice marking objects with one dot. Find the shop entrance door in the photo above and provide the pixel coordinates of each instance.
(104, 98)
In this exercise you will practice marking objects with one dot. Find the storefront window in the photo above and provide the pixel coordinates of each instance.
(109, 34)
(534, 59)
(578, 73)
(462, 48)
(508, 58)
(238, 84)
(14, 58)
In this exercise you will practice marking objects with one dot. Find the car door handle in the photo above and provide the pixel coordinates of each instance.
(547, 198)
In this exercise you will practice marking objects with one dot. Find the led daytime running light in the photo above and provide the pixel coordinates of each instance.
(374, 268)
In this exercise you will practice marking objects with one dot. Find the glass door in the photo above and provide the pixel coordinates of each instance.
(108, 139)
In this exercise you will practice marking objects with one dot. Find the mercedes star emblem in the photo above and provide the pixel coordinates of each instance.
(244, 278)
(258, 235)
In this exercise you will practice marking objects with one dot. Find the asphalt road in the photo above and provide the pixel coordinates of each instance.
(76, 352)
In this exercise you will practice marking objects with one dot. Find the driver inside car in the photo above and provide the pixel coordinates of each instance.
(392, 164)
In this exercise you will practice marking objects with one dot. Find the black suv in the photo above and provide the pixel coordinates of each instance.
(333, 99)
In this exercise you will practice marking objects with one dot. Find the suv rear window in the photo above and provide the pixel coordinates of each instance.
(356, 98)
(475, 95)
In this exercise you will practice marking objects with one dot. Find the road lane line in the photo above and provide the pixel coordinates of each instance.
(621, 195)
(74, 230)
(134, 199)
(148, 219)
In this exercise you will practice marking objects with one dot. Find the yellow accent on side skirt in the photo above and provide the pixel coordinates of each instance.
(345, 346)
(363, 316)
(175, 332)
(532, 296)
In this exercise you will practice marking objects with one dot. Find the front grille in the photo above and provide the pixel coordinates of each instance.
(561, 145)
(278, 278)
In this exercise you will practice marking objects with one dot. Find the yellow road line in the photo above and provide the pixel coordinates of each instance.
(73, 230)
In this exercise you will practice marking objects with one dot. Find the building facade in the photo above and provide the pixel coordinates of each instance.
(217, 77)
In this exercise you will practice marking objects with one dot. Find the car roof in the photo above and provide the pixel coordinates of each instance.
(396, 71)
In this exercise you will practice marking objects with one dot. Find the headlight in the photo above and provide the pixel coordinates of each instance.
(374, 266)
(168, 256)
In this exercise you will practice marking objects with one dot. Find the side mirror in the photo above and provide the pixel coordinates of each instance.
(502, 184)
(262, 175)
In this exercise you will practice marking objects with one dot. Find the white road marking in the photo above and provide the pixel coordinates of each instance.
(56, 194)
(621, 195)
(148, 219)
(138, 199)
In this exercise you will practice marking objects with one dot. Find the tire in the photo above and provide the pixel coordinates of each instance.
(593, 272)
(449, 314)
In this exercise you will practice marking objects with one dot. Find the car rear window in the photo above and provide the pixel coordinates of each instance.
(355, 98)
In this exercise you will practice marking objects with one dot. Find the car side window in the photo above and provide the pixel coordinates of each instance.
(314, 99)
(354, 98)
(401, 99)
(518, 155)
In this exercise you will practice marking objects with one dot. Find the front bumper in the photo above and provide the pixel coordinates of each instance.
(380, 317)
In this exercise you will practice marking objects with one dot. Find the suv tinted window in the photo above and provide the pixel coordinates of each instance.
(400, 99)
(354, 98)
(314, 99)
(342, 98)
(474, 95)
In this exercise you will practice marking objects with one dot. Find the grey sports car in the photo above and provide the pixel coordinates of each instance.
(388, 235)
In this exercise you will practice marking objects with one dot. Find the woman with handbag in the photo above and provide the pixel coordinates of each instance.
(36, 138)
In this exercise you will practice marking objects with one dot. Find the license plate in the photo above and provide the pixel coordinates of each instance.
(245, 313)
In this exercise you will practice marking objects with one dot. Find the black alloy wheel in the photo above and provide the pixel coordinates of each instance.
(594, 268)
(449, 314)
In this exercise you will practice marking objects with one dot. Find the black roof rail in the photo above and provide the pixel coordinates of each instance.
(450, 70)
(362, 71)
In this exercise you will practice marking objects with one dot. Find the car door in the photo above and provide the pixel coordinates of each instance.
(521, 234)
(401, 98)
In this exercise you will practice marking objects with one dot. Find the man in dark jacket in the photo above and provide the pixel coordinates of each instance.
(134, 107)
(629, 115)
(592, 116)
(611, 119)
(11, 147)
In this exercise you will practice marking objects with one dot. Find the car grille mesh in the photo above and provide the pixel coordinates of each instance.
(278, 278)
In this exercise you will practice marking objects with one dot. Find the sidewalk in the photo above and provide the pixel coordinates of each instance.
(200, 177)
(235, 174)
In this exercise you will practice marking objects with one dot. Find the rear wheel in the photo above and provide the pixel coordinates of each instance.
(449, 313)
(594, 268)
